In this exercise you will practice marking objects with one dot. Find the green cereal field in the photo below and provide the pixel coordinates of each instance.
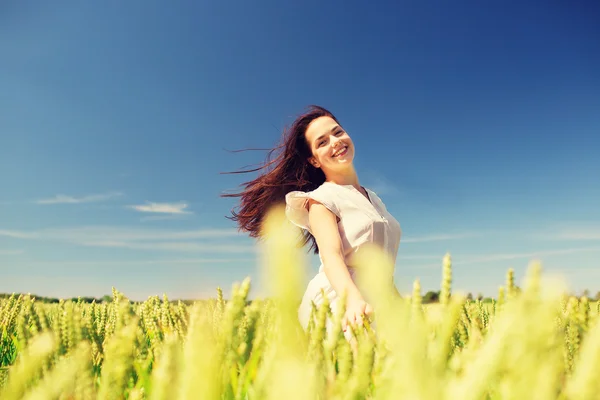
(532, 342)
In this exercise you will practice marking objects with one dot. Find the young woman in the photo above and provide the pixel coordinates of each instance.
(315, 176)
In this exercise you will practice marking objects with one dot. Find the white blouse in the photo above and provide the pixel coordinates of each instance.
(360, 221)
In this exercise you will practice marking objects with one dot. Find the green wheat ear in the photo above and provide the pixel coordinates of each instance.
(28, 368)
(446, 280)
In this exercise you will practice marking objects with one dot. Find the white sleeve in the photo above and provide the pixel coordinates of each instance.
(296, 202)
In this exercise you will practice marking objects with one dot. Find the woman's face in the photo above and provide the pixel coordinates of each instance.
(331, 147)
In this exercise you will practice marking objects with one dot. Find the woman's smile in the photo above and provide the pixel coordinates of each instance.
(341, 151)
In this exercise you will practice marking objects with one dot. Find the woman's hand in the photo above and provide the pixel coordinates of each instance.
(356, 310)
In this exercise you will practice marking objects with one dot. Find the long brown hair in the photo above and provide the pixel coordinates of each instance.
(289, 171)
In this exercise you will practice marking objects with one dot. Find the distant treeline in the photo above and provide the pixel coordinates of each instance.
(104, 299)
(429, 298)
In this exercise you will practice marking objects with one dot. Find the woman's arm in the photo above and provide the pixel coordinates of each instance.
(325, 230)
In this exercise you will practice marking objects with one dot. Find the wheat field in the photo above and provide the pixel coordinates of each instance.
(533, 342)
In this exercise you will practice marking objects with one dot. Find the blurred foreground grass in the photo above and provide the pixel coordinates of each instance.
(534, 343)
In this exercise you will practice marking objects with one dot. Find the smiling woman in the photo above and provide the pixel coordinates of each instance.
(315, 176)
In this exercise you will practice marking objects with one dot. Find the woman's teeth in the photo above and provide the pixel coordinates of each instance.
(341, 152)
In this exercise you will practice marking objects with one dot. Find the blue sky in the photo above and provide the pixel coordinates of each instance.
(477, 125)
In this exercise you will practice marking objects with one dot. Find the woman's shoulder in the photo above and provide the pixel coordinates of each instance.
(296, 202)
(319, 191)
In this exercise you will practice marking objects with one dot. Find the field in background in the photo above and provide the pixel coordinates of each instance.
(534, 342)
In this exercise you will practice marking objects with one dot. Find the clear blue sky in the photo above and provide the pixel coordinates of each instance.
(478, 125)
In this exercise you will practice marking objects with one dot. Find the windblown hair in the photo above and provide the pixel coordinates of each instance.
(289, 171)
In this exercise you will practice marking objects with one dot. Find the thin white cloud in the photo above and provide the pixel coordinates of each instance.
(470, 259)
(163, 208)
(437, 237)
(185, 247)
(206, 240)
(531, 255)
(162, 217)
(17, 234)
(569, 231)
(418, 257)
(119, 233)
(108, 263)
(87, 235)
(64, 199)
(583, 234)
(10, 252)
